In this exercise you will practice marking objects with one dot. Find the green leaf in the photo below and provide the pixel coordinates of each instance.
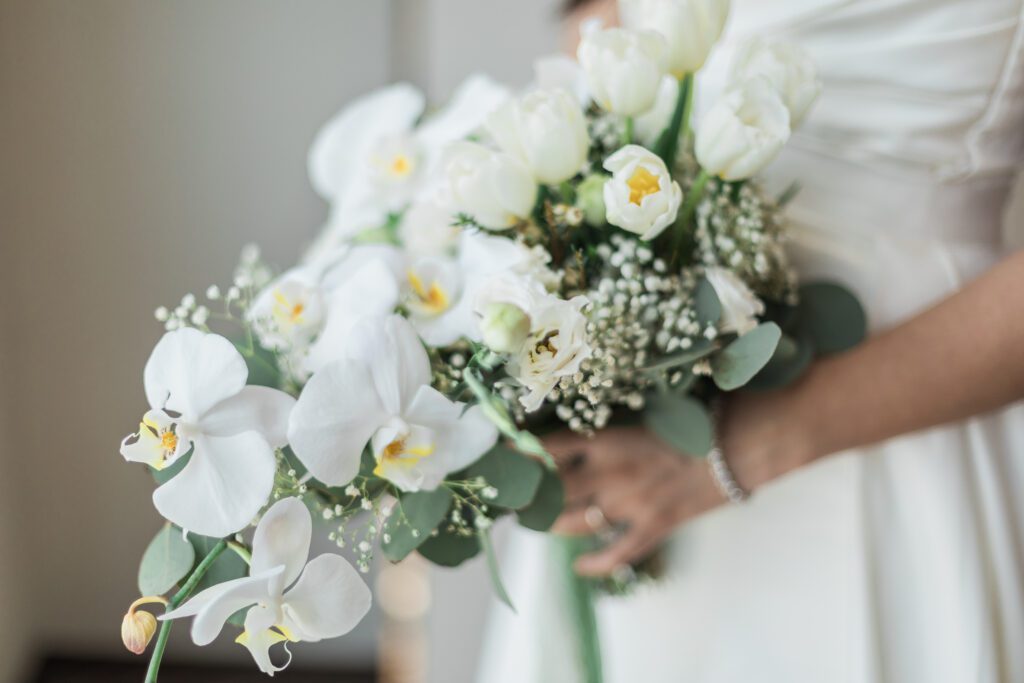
(706, 303)
(514, 475)
(167, 560)
(667, 144)
(448, 549)
(832, 316)
(700, 349)
(262, 364)
(789, 362)
(682, 422)
(412, 520)
(227, 567)
(495, 570)
(496, 411)
(737, 363)
(547, 504)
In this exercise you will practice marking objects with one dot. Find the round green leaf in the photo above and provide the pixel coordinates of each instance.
(515, 476)
(737, 363)
(414, 517)
(448, 549)
(789, 362)
(547, 503)
(706, 303)
(680, 421)
(167, 560)
(832, 316)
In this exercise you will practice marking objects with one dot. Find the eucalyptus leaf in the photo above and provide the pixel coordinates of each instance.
(791, 359)
(167, 560)
(700, 349)
(547, 503)
(495, 570)
(262, 364)
(706, 303)
(448, 549)
(414, 517)
(682, 422)
(515, 476)
(227, 567)
(832, 316)
(737, 363)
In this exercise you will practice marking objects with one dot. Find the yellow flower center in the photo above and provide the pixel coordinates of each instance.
(398, 453)
(169, 442)
(401, 166)
(642, 184)
(433, 300)
(286, 311)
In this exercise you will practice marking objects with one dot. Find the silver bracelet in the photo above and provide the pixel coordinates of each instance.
(724, 478)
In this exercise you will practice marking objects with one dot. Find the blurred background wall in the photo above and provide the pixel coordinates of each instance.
(143, 143)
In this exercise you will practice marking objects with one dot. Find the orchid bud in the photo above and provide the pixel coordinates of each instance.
(590, 199)
(138, 627)
(504, 327)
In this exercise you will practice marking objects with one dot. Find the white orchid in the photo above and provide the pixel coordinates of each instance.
(288, 598)
(195, 386)
(691, 27)
(641, 196)
(494, 188)
(381, 395)
(787, 67)
(372, 158)
(546, 130)
(428, 229)
(623, 68)
(740, 306)
(288, 313)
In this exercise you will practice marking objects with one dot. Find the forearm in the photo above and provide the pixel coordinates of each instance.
(963, 357)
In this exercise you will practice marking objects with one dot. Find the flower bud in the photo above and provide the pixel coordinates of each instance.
(590, 199)
(138, 626)
(789, 69)
(691, 27)
(623, 68)
(495, 188)
(504, 327)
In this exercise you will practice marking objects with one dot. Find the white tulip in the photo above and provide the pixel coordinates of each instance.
(649, 126)
(556, 348)
(623, 68)
(546, 130)
(195, 385)
(495, 188)
(691, 27)
(380, 395)
(740, 306)
(789, 69)
(287, 598)
(641, 196)
(743, 131)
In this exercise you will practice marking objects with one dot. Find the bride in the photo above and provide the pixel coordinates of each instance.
(884, 540)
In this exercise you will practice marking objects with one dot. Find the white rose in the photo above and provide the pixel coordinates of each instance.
(743, 131)
(506, 304)
(641, 196)
(623, 68)
(691, 27)
(789, 69)
(495, 188)
(546, 130)
(740, 306)
(556, 347)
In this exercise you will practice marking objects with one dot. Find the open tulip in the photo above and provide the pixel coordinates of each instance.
(495, 188)
(381, 395)
(326, 598)
(546, 130)
(641, 196)
(787, 67)
(623, 68)
(691, 27)
(195, 385)
(743, 131)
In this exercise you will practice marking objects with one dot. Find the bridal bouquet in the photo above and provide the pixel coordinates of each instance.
(565, 258)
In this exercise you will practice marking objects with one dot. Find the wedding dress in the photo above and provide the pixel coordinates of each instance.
(903, 562)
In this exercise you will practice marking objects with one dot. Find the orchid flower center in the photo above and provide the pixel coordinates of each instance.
(432, 300)
(169, 442)
(401, 166)
(398, 445)
(642, 184)
(287, 312)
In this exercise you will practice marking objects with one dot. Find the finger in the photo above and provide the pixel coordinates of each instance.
(634, 545)
(573, 522)
(565, 446)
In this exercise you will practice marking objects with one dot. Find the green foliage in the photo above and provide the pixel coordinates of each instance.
(681, 421)
(515, 476)
(737, 363)
(496, 411)
(167, 560)
(832, 317)
(667, 144)
(492, 566)
(449, 549)
(706, 303)
(547, 504)
(262, 364)
(700, 349)
(414, 517)
(788, 363)
(227, 567)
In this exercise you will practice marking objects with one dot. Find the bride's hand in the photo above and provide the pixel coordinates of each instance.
(637, 481)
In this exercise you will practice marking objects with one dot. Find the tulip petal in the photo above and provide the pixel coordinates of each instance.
(397, 360)
(256, 409)
(191, 371)
(223, 486)
(333, 421)
(328, 601)
(282, 539)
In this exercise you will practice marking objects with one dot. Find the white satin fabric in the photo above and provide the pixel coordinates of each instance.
(899, 563)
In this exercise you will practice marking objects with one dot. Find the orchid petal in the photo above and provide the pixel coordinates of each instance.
(258, 642)
(328, 601)
(462, 437)
(397, 360)
(190, 371)
(223, 486)
(257, 409)
(469, 106)
(333, 420)
(282, 538)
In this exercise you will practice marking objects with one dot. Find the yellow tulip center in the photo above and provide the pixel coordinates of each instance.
(432, 299)
(641, 184)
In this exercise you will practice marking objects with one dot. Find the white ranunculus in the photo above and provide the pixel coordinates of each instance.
(546, 130)
(744, 131)
(556, 347)
(789, 69)
(287, 598)
(505, 305)
(381, 395)
(740, 306)
(495, 188)
(641, 196)
(623, 68)
(195, 386)
(691, 27)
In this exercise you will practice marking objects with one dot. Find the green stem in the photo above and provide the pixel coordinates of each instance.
(627, 136)
(684, 223)
(241, 551)
(179, 597)
(580, 593)
(687, 84)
